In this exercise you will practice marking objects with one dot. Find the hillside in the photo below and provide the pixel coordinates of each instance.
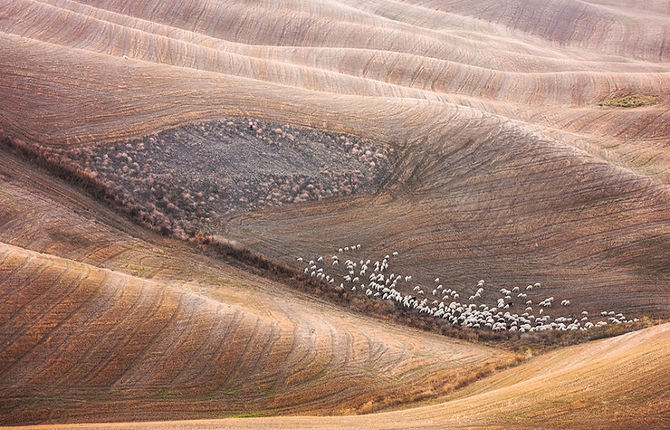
(507, 170)
(198, 198)
(139, 327)
(604, 384)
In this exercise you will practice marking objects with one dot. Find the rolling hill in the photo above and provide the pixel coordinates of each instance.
(508, 169)
(97, 310)
(612, 383)
(480, 140)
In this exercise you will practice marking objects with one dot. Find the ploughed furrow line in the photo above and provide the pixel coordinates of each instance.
(508, 170)
(589, 129)
(305, 352)
(131, 347)
(614, 31)
(391, 63)
(620, 382)
(204, 52)
(511, 212)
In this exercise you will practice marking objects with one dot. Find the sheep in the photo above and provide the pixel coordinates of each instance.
(466, 314)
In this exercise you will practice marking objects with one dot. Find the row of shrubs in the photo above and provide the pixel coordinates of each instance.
(118, 198)
(114, 195)
(61, 165)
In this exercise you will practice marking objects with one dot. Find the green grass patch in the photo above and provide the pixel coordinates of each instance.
(249, 415)
(634, 100)
(165, 394)
(71, 238)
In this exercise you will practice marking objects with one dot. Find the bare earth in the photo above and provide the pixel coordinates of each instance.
(612, 383)
(473, 137)
(98, 312)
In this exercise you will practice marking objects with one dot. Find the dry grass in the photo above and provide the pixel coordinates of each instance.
(635, 100)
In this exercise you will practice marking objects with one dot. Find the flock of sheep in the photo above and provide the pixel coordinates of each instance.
(376, 281)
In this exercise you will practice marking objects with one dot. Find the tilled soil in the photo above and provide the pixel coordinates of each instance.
(195, 177)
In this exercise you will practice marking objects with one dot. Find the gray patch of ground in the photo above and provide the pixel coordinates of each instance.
(199, 175)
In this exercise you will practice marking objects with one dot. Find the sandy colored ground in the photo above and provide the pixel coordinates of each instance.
(510, 171)
(614, 383)
(126, 325)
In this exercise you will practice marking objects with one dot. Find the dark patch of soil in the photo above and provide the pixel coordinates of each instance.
(195, 177)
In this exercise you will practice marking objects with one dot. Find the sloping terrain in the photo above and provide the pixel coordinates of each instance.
(508, 169)
(613, 383)
(510, 165)
(84, 341)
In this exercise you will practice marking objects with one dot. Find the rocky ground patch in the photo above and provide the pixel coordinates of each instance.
(194, 177)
